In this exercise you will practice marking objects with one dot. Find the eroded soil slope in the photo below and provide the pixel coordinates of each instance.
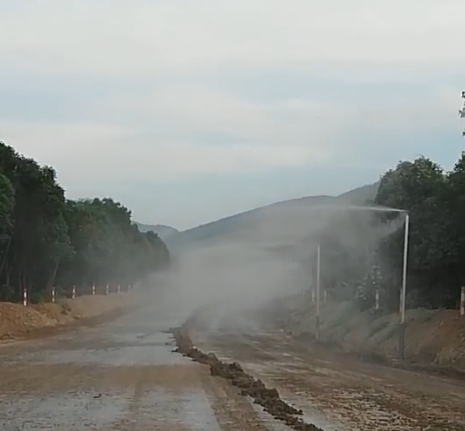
(17, 321)
(433, 337)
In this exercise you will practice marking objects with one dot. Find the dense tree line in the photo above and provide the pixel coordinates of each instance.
(365, 252)
(47, 240)
(435, 200)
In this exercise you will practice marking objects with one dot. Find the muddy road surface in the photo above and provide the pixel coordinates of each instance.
(122, 375)
(338, 392)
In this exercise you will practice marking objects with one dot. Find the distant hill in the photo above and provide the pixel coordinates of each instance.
(163, 231)
(358, 196)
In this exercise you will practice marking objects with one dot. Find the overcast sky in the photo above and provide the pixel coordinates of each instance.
(191, 110)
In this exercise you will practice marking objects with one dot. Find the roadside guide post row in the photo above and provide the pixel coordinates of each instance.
(74, 293)
(403, 291)
(317, 320)
(325, 297)
(377, 301)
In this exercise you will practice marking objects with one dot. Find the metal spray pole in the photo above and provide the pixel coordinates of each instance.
(462, 111)
(403, 293)
(317, 321)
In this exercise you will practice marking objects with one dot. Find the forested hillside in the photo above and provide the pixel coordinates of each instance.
(235, 222)
(161, 230)
(47, 240)
(435, 200)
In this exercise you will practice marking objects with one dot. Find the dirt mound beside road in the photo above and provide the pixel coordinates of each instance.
(433, 337)
(17, 321)
(268, 398)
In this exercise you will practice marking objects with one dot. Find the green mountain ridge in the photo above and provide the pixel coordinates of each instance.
(163, 231)
(358, 196)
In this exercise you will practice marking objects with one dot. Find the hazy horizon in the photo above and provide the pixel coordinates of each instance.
(188, 112)
(291, 198)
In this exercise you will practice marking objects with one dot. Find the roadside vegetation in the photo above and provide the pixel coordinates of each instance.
(47, 240)
(357, 260)
(362, 254)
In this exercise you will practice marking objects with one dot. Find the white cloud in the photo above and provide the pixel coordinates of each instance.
(171, 121)
(190, 111)
(112, 148)
(148, 37)
(105, 156)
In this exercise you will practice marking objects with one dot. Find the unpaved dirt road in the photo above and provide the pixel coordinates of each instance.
(122, 375)
(118, 376)
(339, 393)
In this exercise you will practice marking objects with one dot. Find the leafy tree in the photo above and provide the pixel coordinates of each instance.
(423, 189)
(7, 202)
(361, 254)
(46, 240)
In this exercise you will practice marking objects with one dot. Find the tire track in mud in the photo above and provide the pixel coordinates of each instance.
(268, 398)
(358, 395)
(232, 411)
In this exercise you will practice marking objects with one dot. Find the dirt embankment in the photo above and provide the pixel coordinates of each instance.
(268, 398)
(433, 337)
(17, 321)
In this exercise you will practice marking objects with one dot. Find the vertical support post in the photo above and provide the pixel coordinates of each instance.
(53, 295)
(462, 111)
(93, 289)
(25, 296)
(317, 321)
(376, 299)
(462, 301)
(107, 289)
(73, 293)
(403, 293)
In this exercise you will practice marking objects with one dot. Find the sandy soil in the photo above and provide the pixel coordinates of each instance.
(17, 321)
(433, 337)
(339, 393)
(121, 375)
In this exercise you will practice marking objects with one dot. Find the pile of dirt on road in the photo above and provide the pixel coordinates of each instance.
(268, 398)
(17, 321)
(433, 337)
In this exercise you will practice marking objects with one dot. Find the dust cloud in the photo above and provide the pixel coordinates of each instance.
(268, 257)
